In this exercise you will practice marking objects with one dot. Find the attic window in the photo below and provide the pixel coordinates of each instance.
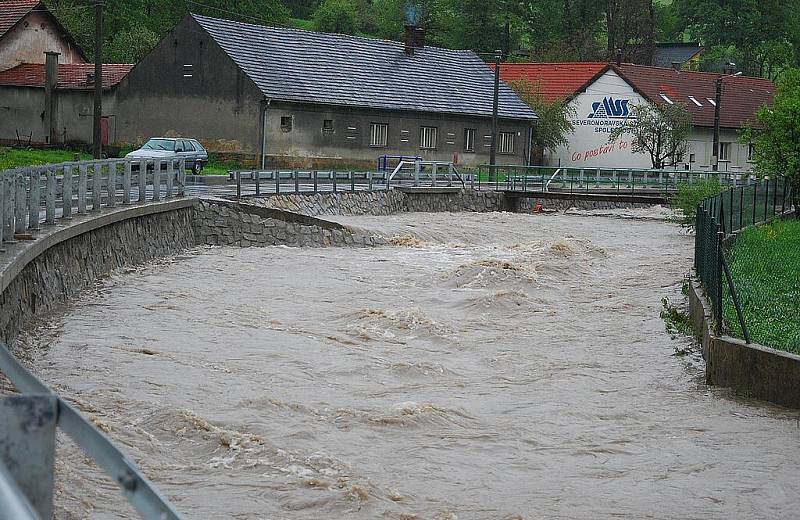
(713, 103)
(665, 98)
(327, 125)
(286, 123)
(694, 100)
(188, 71)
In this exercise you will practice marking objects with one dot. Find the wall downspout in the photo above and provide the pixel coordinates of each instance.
(264, 107)
(530, 145)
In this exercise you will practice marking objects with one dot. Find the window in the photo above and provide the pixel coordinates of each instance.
(691, 158)
(505, 142)
(188, 71)
(427, 137)
(378, 133)
(751, 152)
(694, 100)
(327, 125)
(667, 99)
(469, 139)
(724, 151)
(188, 146)
(286, 123)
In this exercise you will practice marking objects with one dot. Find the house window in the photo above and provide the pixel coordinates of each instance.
(469, 139)
(691, 158)
(286, 123)
(427, 137)
(751, 152)
(505, 142)
(724, 151)
(378, 133)
(327, 125)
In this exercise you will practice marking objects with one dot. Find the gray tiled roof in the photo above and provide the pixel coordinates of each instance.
(305, 66)
(665, 54)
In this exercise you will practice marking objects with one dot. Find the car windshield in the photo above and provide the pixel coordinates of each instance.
(160, 144)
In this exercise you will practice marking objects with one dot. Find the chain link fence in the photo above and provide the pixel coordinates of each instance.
(718, 220)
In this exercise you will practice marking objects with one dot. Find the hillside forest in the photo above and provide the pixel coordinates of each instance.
(762, 37)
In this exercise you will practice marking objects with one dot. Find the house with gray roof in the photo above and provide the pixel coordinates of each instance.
(307, 99)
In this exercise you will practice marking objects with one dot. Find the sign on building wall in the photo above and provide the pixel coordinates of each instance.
(605, 105)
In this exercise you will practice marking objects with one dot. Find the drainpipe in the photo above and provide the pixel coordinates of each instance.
(50, 82)
(264, 106)
(530, 145)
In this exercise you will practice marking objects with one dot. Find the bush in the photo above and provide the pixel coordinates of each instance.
(336, 16)
(690, 195)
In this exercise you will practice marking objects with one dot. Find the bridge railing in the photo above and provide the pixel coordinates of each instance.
(605, 180)
(36, 195)
(28, 425)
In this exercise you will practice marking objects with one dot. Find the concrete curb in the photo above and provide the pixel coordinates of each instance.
(752, 370)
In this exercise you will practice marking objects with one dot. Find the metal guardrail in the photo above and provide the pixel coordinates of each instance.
(34, 195)
(718, 219)
(35, 502)
(510, 177)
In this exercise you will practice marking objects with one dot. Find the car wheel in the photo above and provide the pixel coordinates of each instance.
(197, 169)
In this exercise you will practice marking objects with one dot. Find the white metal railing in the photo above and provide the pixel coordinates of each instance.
(427, 169)
(36, 195)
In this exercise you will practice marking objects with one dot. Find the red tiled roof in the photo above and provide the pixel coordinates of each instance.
(12, 11)
(742, 96)
(556, 81)
(70, 75)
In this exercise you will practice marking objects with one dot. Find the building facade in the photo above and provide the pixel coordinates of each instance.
(297, 98)
(28, 30)
(605, 95)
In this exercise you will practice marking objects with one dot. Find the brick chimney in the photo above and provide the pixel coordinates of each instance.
(414, 39)
(50, 104)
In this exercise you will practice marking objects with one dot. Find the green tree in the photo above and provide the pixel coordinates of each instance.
(660, 131)
(554, 124)
(336, 16)
(131, 45)
(777, 141)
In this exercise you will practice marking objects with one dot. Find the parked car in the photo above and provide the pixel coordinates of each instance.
(165, 147)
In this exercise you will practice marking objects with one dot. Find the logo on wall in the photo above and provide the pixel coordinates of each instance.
(609, 108)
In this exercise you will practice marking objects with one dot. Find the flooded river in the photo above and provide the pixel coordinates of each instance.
(487, 366)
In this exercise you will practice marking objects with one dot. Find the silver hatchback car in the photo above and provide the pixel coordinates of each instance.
(163, 147)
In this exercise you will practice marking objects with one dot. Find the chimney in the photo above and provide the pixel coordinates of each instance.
(50, 82)
(618, 57)
(677, 65)
(410, 39)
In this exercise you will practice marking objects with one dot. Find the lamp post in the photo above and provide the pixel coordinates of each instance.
(717, 104)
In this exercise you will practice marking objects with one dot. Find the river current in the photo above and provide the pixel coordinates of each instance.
(485, 366)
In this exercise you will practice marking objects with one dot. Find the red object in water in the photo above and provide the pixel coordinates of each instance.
(537, 208)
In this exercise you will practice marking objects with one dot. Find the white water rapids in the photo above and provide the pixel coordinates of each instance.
(487, 366)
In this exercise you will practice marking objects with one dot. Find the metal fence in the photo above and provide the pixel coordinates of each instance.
(718, 220)
(623, 181)
(42, 194)
(27, 439)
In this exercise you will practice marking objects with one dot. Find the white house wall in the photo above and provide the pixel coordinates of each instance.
(589, 147)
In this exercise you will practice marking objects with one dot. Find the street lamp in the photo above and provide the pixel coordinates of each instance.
(717, 103)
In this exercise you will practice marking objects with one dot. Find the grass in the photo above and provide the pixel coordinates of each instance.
(17, 157)
(765, 265)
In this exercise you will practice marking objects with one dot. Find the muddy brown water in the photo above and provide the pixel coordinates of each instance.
(488, 366)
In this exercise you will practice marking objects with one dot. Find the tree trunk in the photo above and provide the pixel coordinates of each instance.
(795, 179)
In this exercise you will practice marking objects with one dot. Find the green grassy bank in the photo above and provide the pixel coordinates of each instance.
(17, 157)
(765, 265)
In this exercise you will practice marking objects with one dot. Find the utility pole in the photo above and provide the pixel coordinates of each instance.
(717, 103)
(98, 78)
(498, 55)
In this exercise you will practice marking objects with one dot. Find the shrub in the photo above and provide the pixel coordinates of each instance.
(690, 195)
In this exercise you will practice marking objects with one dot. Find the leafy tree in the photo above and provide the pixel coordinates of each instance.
(132, 45)
(553, 126)
(777, 142)
(662, 132)
(336, 16)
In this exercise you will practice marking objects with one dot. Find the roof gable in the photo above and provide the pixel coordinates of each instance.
(310, 67)
(12, 11)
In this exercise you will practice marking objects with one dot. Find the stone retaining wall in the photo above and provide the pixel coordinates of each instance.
(57, 271)
(382, 202)
(228, 223)
(751, 370)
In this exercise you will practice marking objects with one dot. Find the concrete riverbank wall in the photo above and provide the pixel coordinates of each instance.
(751, 370)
